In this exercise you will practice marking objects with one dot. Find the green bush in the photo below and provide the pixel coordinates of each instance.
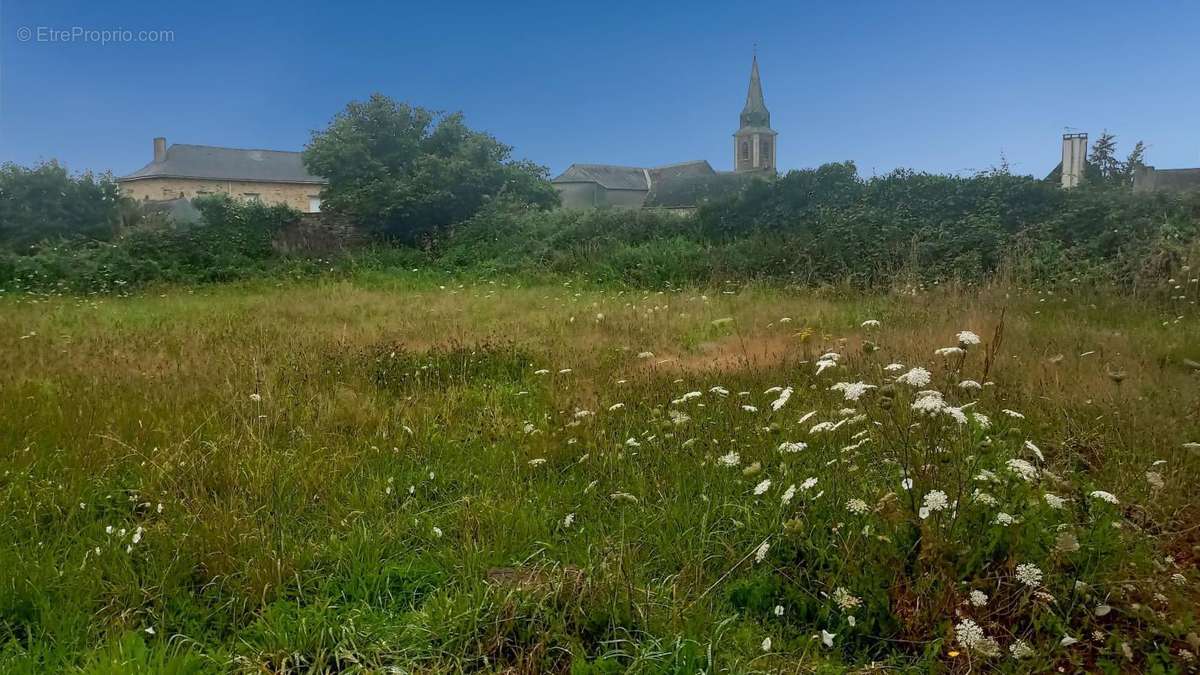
(232, 242)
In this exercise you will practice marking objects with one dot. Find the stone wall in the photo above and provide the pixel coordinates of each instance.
(296, 195)
(318, 234)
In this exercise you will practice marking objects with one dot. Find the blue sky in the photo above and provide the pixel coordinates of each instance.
(934, 86)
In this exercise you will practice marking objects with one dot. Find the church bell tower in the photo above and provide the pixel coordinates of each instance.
(754, 143)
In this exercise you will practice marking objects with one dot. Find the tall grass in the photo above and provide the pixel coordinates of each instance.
(428, 475)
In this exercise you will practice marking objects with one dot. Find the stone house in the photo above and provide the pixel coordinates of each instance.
(678, 187)
(189, 171)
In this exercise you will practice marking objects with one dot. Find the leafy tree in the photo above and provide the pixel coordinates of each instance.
(1104, 157)
(46, 202)
(407, 173)
(1105, 167)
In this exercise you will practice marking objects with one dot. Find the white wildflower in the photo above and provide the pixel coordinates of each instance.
(730, 458)
(978, 598)
(894, 367)
(782, 400)
(949, 351)
(969, 385)
(569, 520)
(827, 638)
(537, 461)
(929, 403)
(1020, 650)
(916, 377)
(936, 500)
(778, 610)
(1029, 574)
(766, 644)
(1054, 501)
(1155, 480)
(762, 487)
(792, 447)
(1003, 519)
(966, 337)
(1022, 468)
(1013, 414)
(870, 323)
(256, 397)
(852, 390)
(1105, 496)
(844, 599)
(788, 494)
(857, 506)
(1037, 452)
(808, 484)
(760, 553)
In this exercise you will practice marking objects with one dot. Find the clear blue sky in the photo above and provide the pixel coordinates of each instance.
(935, 86)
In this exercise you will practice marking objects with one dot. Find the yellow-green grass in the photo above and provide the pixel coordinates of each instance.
(350, 477)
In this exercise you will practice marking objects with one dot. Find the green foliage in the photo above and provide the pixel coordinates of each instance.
(46, 202)
(407, 173)
(827, 225)
(233, 242)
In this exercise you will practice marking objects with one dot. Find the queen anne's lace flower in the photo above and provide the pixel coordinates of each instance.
(966, 337)
(852, 390)
(916, 377)
(1022, 468)
(857, 506)
(978, 598)
(1029, 574)
(1105, 496)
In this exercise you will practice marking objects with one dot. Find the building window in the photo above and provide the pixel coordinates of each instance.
(745, 151)
(314, 204)
(766, 153)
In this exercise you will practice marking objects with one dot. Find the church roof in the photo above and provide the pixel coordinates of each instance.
(692, 190)
(214, 163)
(755, 113)
(608, 176)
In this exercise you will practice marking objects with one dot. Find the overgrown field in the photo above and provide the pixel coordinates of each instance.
(406, 477)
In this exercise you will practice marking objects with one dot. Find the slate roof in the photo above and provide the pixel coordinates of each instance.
(213, 163)
(608, 176)
(755, 113)
(688, 191)
(1175, 180)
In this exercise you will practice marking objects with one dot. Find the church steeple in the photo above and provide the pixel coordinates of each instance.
(755, 114)
(754, 142)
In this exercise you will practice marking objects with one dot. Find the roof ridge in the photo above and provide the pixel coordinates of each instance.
(223, 147)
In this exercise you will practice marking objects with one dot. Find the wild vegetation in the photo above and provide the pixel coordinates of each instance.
(409, 473)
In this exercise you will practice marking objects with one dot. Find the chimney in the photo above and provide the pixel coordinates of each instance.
(160, 149)
(1074, 157)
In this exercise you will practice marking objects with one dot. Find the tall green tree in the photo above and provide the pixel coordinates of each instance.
(407, 173)
(47, 202)
(1105, 167)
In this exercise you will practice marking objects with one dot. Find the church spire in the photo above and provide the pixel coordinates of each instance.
(754, 142)
(755, 113)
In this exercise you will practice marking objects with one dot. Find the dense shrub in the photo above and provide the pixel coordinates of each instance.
(828, 225)
(46, 202)
(233, 241)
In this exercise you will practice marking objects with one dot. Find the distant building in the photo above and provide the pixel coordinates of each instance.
(188, 171)
(1147, 178)
(683, 186)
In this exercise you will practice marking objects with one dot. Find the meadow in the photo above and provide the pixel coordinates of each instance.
(415, 474)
